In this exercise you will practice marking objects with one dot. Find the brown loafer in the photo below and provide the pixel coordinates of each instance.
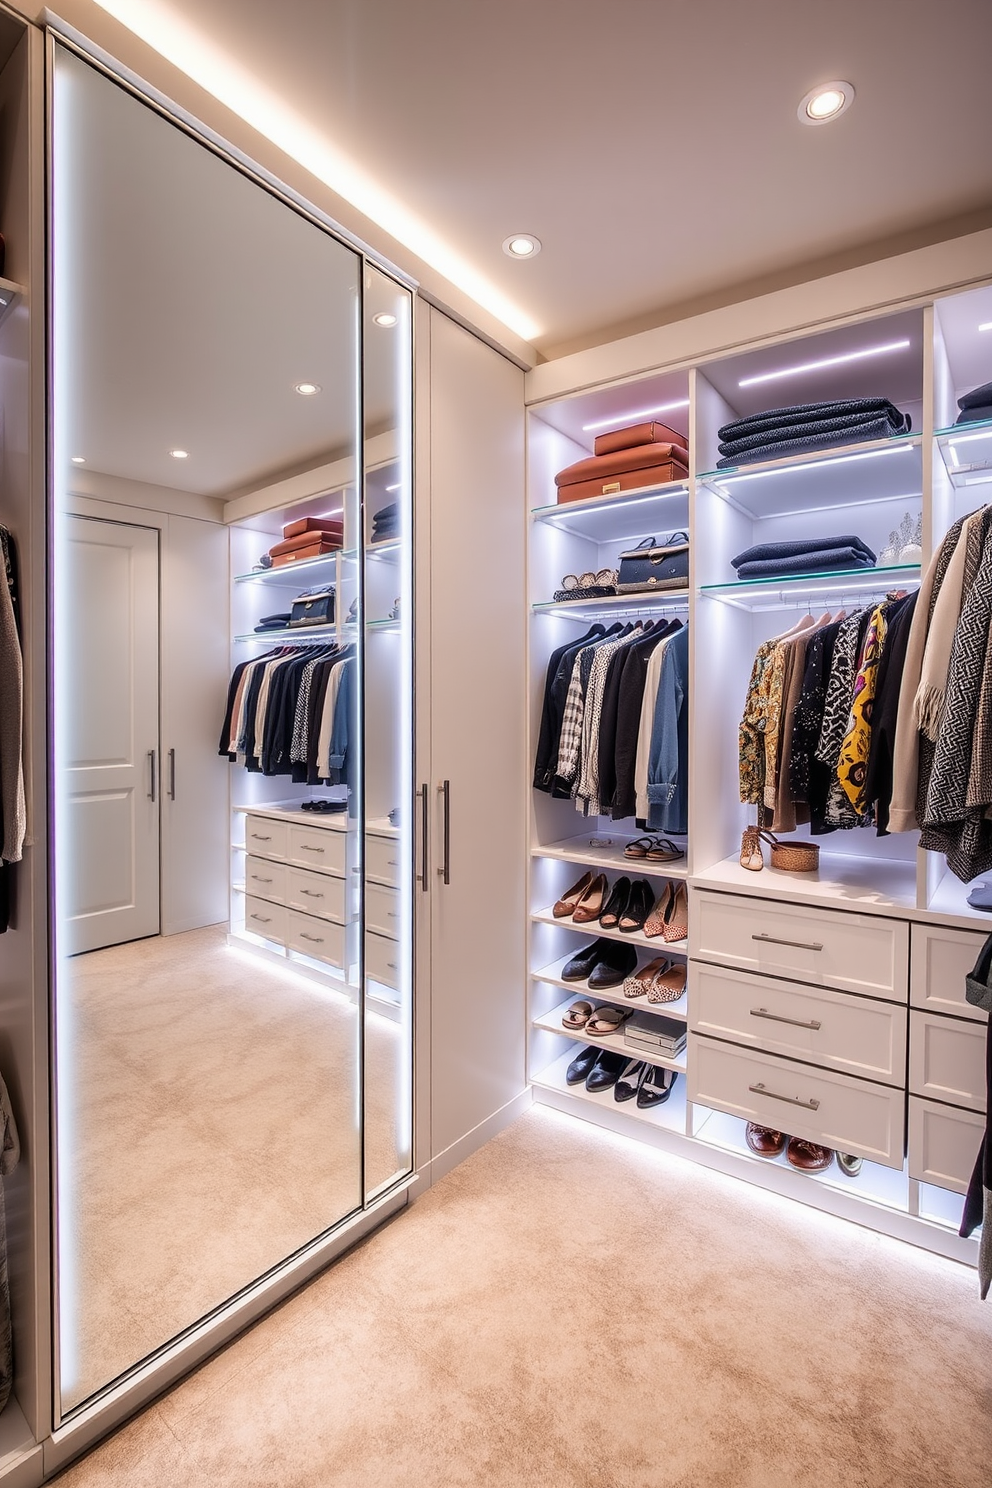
(763, 1141)
(590, 906)
(566, 904)
(808, 1157)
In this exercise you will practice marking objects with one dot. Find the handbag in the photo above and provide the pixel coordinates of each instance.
(312, 609)
(654, 565)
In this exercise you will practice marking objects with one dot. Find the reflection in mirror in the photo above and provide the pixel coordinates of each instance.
(207, 1000)
(387, 311)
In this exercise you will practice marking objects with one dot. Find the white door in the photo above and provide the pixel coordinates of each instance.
(107, 727)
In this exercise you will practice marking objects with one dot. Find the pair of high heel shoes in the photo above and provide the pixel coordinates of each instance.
(629, 907)
(603, 1069)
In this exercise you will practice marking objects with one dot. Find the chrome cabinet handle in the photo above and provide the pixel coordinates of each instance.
(393, 863)
(312, 893)
(813, 1023)
(262, 919)
(151, 770)
(305, 848)
(444, 791)
(424, 812)
(172, 774)
(257, 878)
(799, 945)
(316, 939)
(790, 1100)
(257, 837)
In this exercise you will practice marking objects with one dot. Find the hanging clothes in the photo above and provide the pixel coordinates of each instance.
(280, 719)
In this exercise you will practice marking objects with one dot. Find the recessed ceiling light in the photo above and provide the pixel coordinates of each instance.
(825, 103)
(382, 319)
(986, 327)
(521, 245)
(79, 460)
(178, 454)
(307, 389)
(634, 413)
(850, 356)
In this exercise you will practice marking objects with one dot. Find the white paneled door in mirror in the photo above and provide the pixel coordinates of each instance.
(209, 639)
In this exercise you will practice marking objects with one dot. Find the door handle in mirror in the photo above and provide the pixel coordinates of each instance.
(152, 792)
(444, 791)
(422, 875)
(172, 774)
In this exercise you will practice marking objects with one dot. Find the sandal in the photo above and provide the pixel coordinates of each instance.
(655, 922)
(640, 981)
(567, 903)
(668, 985)
(637, 909)
(578, 1015)
(639, 848)
(751, 849)
(664, 850)
(607, 1020)
(677, 917)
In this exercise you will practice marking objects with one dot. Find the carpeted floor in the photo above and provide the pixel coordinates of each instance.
(567, 1310)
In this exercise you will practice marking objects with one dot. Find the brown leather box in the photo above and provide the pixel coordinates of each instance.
(315, 550)
(312, 524)
(625, 470)
(306, 540)
(634, 434)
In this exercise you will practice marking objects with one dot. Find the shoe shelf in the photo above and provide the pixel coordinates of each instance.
(966, 450)
(551, 1022)
(594, 930)
(861, 883)
(580, 850)
(669, 1116)
(786, 593)
(616, 606)
(551, 975)
(850, 475)
(617, 518)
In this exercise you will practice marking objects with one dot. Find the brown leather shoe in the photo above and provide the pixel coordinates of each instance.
(590, 906)
(763, 1141)
(809, 1157)
(566, 904)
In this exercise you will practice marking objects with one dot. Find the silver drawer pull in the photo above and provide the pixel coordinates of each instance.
(392, 863)
(305, 848)
(392, 965)
(262, 919)
(813, 1023)
(391, 914)
(257, 878)
(257, 837)
(312, 893)
(790, 1100)
(317, 939)
(800, 945)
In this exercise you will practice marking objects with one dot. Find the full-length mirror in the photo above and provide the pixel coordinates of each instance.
(210, 637)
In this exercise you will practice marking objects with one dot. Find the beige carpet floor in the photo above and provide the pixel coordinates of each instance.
(211, 1129)
(567, 1310)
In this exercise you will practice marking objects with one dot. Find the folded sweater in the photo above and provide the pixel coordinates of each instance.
(879, 428)
(803, 413)
(825, 560)
(845, 428)
(978, 397)
(760, 552)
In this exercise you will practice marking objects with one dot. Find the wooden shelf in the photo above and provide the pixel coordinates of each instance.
(594, 930)
(551, 1023)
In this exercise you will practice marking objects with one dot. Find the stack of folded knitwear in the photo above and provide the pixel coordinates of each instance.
(386, 523)
(805, 556)
(780, 432)
(308, 537)
(647, 454)
(976, 405)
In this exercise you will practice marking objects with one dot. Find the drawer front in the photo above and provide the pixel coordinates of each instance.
(831, 948)
(859, 1035)
(316, 894)
(382, 910)
(947, 1059)
(313, 848)
(821, 1105)
(313, 937)
(939, 961)
(266, 838)
(262, 918)
(382, 859)
(943, 1144)
(382, 960)
(265, 880)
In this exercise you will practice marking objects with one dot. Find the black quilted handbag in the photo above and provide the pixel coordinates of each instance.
(654, 565)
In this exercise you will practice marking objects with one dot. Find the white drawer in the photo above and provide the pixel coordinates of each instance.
(832, 948)
(943, 1144)
(265, 879)
(265, 837)
(316, 894)
(821, 1105)
(313, 937)
(939, 961)
(858, 1035)
(382, 910)
(382, 858)
(947, 1059)
(313, 847)
(382, 960)
(262, 918)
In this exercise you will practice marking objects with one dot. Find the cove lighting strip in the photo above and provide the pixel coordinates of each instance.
(201, 59)
(791, 467)
(837, 361)
(634, 413)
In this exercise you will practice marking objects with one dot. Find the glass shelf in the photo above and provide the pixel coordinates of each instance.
(967, 453)
(288, 575)
(615, 606)
(307, 633)
(785, 593)
(851, 475)
(615, 518)
(390, 549)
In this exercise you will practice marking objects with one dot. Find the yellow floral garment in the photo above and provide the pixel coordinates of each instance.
(852, 766)
(751, 735)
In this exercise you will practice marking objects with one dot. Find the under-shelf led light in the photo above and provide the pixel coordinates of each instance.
(396, 487)
(790, 467)
(970, 438)
(634, 413)
(986, 327)
(836, 361)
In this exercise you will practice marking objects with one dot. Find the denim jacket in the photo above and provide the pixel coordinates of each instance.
(668, 784)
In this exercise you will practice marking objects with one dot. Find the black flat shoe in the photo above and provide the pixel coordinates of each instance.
(616, 905)
(656, 1087)
(606, 1071)
(582, 1064)
(630, 1080)
(583, 962)
(616, 961)
(638, 907)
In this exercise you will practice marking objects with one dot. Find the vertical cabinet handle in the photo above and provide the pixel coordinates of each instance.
(151, 775)
(422, 796)
(444, 791)
(172, 774)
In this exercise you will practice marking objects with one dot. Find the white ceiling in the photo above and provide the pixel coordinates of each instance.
(653, 147)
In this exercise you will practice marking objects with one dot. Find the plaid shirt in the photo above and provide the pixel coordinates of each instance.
(570, 740)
